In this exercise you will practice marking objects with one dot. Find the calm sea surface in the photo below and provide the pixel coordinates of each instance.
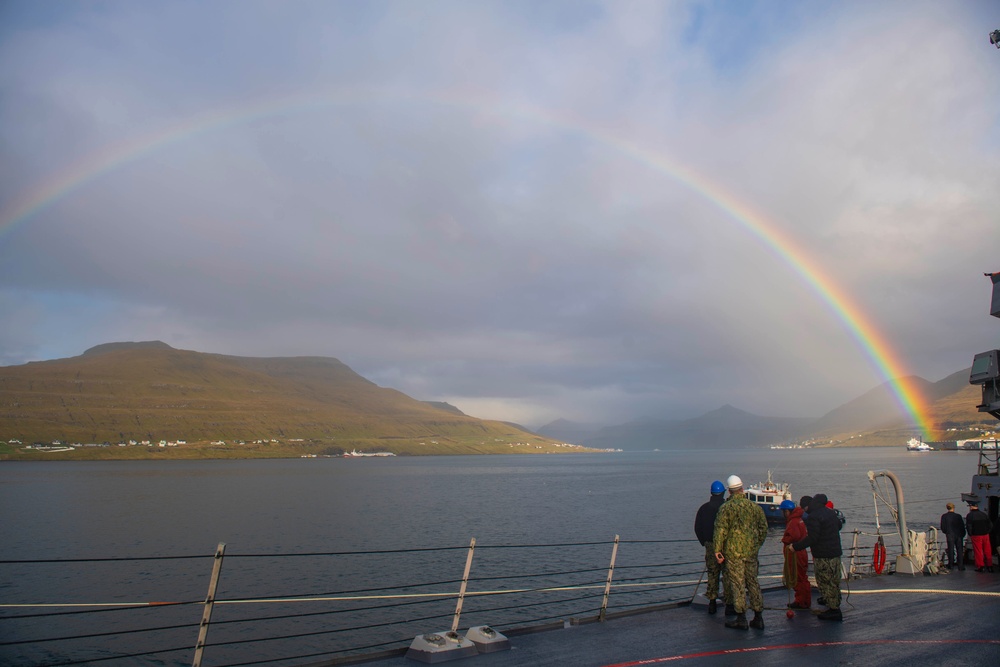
(79, 510)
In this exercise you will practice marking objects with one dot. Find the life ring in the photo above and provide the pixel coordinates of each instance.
(878, 557)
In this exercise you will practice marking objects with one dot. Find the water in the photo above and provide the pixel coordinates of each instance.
(73, 510)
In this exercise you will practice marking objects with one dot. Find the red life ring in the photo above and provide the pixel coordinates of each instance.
(878, 558)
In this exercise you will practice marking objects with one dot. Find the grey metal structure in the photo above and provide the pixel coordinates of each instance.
(986, 372)
(905, 562)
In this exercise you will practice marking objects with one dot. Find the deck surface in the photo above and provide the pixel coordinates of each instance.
(947, 619)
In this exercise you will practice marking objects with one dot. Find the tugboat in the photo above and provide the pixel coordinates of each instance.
(769, 496)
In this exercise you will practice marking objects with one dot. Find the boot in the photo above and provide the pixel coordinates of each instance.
(730, 610)
(738, 623)
(712, 606)
(758, 621)
(831, 615)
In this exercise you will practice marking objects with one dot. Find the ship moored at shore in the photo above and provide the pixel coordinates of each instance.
(970, 445)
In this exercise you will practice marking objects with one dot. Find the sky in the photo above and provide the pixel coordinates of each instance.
(594, 211)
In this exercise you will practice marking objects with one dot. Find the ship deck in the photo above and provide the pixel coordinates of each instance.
(951, 619)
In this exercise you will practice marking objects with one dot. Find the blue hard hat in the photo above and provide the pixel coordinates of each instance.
(718, 487)
(787, 505)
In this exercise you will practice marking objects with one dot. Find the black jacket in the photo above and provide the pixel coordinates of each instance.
(978, 523)
(953, 524)
(704, 520)
(823, 526)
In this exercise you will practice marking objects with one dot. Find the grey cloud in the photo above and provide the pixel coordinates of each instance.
(428, 192)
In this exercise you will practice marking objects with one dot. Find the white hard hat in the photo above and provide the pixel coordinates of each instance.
(734, 482)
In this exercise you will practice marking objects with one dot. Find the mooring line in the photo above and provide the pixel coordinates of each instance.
(925, 591)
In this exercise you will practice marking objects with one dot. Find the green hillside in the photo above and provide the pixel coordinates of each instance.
(296, 405)
(877, 419)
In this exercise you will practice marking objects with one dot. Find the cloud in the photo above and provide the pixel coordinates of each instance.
(483, 204)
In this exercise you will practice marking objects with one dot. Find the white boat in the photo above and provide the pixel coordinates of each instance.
(769, 496)
(914, 445)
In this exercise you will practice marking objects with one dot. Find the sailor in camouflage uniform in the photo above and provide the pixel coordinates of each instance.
(704, 529)
(823, 538)
(740, 529)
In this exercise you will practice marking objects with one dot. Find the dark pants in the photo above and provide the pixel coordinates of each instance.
(955, 546)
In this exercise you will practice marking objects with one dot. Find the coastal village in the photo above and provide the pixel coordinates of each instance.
(60, 446)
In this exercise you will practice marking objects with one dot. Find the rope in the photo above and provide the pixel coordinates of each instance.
(925, 591)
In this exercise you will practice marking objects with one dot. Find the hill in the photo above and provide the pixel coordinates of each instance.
(874, 418)
(149, 391)
(724, 427)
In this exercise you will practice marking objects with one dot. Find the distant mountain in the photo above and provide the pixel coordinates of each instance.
(724, 427)
(875, 409)
(568, 431)
(951, 403)
(875, 417)
(151, 391)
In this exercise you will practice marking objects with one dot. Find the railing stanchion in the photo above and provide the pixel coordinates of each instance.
(701, 578)
(607, 585)
(465, 583)
(206, 616)
(854, 554)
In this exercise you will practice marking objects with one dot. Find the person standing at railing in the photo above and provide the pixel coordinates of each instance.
(953, 528)
(704, 527)
(740, 530)
(979, 527)
(823, 528)
(798, 561)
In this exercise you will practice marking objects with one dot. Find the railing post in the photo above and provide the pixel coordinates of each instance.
(607, 585)
(206, 615)
(465, 583)
(854, 554)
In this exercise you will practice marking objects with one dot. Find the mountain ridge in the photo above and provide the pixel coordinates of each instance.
(874, 418)
(151, 391)
(148, 390)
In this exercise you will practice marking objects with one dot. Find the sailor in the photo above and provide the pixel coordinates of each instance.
(953, 528)
(979, 526)
(740, 529)
(823, 528)
(797, 561)
(704, 527)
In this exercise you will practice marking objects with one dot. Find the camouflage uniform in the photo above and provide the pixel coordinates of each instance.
(714, 571)
(828, 580)
(740, 529)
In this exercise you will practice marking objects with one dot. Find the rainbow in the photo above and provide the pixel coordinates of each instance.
(867, 336)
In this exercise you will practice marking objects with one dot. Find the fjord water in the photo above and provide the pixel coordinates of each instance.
(118, 508)
(75, 510)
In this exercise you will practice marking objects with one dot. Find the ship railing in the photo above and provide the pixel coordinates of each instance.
(989, 458)
(341, 606)
(862, 557)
